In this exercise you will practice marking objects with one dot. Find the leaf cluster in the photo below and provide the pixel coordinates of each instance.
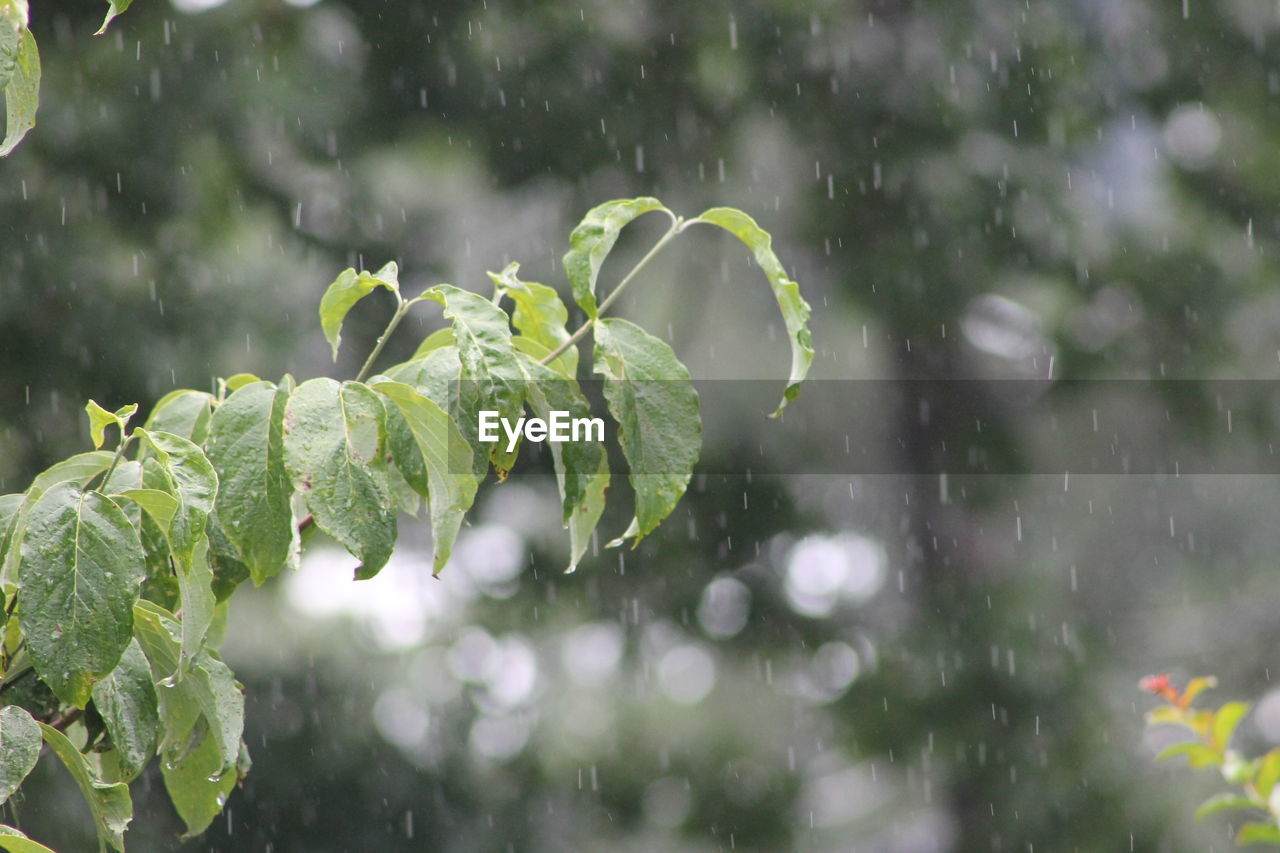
(116, 566)
(1254, 780)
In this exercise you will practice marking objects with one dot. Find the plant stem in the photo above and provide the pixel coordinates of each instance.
(115, 460)
(677, 225)
(401, 310)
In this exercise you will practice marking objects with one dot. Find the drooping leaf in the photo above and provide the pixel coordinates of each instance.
(795, 311)
(593, 239)
(13, 841)
(332, 446)
(22, 94)
(209, 689)
(451, 485)
(82, 564)
(490, 369)
(116, 7)
(575, 462)
(348, 289)
(540, 315)
(195, 588)
(246, 447)
(126, 699)
(586, 516)
(184, 413)
(198, 785)
(19, 748)
(109, 803)
(656, 407)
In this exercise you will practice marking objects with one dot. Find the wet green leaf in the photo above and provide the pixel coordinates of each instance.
(82, 564)
(490, 367)
(246, 448)
(795, 311)
(198, 785)
(659, 427)
(19, 748)
(126, 699)
(109, 803)
(593, 239)
(348, 289)
(451, 486)
(184, 413)
(22, 94)
(333, 445)
(540, 315)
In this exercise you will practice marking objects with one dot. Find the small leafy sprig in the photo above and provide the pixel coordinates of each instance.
(1255, 779)
(117, 566)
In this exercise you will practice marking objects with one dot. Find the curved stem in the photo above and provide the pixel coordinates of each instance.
(677, 224)
(401, 310)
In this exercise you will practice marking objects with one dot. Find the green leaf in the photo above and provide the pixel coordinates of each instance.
(1226, 720)
(19, 748)
(795, 311)
(1268, 773)
(116, 7)
(1197, 754)
(109, 802)
(199, 786)
(587, 514)
(1258, 833)
(575, 462)
(10, 512)
(13, 23)
(1226, 801)
(194, 484)
(78, 469)
(333, 437)
(348, 289)
(184, 413)
(22, 94)
(490, 367)
(100, 419)
(127, 701)
(82, 564)
(593, 239)
(434, 341)
(451, 486)
(209, 689)
(15, 842)
(540, 315)
(246, 447)
(650, 396)
(160, 505)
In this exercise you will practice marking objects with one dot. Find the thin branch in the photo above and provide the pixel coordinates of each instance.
(401, 310)
(677, 224)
